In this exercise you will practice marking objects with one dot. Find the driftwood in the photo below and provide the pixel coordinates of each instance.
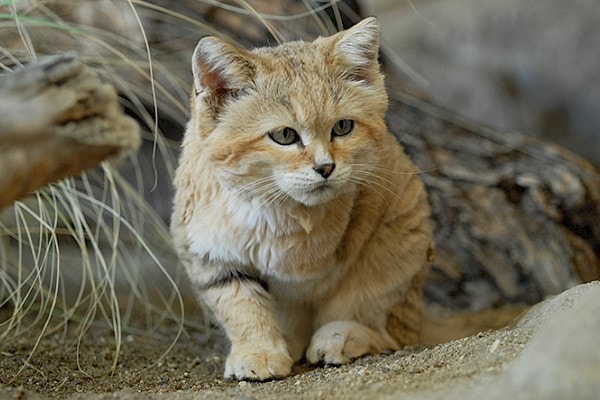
(57, 118)
(516, 219)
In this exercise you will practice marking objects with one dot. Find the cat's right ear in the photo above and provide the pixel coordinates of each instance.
(219, 68)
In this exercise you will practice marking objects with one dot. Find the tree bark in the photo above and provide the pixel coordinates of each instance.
(57, 118)
(516, 219)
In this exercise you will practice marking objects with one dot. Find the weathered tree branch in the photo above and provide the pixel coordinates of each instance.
(516, 219)
(57, 118)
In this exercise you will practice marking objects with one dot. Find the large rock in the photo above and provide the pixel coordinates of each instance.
(562, 360)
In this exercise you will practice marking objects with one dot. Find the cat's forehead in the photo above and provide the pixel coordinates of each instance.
(296, 75)
(290, 50)
(305, 84)
(296, 58)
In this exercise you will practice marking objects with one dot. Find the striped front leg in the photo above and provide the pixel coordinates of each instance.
(242, 305)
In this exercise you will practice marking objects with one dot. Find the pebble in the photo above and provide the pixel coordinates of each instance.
(494, 346)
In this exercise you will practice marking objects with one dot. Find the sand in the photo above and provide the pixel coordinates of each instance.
(490, 362)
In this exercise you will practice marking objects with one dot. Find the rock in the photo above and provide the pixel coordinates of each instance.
(562, 360)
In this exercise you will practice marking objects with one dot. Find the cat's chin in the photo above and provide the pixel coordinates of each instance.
(315, 197)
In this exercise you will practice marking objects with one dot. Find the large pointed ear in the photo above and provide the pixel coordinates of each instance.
(220, 68)
(358, 47)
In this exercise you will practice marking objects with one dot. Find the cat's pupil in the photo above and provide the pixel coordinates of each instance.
(342, 127)
(284, 136)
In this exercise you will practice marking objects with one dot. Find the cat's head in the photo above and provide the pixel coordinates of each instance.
(300, 121)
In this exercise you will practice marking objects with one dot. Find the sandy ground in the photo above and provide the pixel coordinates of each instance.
(193, 369)
(551, 352)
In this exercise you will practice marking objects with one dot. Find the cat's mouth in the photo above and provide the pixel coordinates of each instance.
(317, 194)
(314, 193)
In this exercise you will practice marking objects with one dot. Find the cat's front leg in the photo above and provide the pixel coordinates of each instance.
(244, 308)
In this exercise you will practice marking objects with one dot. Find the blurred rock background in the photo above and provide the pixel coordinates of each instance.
(531, 66)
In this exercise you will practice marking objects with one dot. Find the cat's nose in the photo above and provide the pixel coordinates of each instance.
(325, 170)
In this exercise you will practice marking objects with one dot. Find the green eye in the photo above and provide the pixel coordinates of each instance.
(342, 127)
(284, 136)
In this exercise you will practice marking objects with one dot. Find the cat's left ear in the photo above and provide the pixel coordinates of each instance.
(358, 46)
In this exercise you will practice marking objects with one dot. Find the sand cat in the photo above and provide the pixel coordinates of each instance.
(299, 218)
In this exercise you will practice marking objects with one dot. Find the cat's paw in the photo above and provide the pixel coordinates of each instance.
(257, 364)
(340, 342)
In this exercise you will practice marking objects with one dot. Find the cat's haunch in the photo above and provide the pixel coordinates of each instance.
(300, 221)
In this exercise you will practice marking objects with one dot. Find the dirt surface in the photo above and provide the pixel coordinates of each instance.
(193, 369)
(550, 352)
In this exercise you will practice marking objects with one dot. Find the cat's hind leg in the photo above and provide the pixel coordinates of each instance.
(361, 328)
(339, 342)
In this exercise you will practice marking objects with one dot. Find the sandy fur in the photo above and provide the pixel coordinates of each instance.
(289, 267)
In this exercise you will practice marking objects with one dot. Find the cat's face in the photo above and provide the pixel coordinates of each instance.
(302, 121)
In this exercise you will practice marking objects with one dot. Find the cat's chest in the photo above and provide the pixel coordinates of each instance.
(280, 244)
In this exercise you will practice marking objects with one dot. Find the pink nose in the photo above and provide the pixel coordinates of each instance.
(325, 170)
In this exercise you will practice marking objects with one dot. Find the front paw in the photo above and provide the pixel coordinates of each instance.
(257, 364)
(340, 342)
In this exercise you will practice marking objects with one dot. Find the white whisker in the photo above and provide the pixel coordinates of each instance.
(376, 167)
(371, 186)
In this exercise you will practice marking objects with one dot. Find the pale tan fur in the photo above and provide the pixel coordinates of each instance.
(293, 262)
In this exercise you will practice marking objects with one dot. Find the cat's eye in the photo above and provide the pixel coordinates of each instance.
(342, 127)
(284, 136)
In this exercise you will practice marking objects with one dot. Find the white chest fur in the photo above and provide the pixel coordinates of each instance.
(287, 244)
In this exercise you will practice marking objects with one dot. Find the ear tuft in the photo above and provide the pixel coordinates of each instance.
(219, 67)
(359, 47)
